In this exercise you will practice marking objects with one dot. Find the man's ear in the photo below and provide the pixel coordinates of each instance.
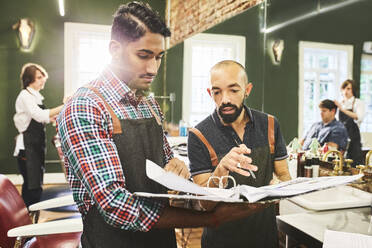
(248, 89)
(114, 48)
(209, 92)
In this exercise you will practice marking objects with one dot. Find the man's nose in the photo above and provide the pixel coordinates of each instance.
(152, 66)
(225, 98)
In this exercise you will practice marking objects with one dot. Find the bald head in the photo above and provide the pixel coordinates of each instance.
(230, 66)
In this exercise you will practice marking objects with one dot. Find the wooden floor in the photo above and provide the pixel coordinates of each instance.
(188, 237)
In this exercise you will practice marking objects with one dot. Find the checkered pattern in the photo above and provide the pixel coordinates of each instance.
(92, 163)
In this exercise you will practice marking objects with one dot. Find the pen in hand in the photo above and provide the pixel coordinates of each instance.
(246, 169)
(239, 166)
(249, 170)
(252, 174)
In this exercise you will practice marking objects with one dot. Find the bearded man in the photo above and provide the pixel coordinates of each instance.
(228, 143)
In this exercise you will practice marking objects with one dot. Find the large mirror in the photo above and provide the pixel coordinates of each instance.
(320, 43)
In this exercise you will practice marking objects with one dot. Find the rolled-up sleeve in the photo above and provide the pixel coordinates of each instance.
(36, 113)
(92, 157)
(360, 111)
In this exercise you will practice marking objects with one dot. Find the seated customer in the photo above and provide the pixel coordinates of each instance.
(329, 130)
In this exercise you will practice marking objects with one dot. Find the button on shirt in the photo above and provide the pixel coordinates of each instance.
(92, 163)
(27, 108)
(334, 132)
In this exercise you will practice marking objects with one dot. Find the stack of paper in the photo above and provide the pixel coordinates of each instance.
(239, 193)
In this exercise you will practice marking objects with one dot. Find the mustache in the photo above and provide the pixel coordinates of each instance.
(228, 105)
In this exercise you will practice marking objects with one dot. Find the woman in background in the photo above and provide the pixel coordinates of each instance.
(351, 114)
(30, 119)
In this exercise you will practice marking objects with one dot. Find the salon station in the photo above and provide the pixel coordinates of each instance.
(299, 78)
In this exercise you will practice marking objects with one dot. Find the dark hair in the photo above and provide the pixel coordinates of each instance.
(28, 73)
(132, 19)
(353, 86)
(328, 104)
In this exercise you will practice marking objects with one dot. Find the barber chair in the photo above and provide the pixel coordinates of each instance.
(16, 224)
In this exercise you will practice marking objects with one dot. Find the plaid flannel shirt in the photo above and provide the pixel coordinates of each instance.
(91, 158)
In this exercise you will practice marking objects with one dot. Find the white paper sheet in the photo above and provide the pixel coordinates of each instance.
(334, 239)
(174, 182)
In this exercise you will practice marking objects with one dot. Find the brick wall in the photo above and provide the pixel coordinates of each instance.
(189, 17)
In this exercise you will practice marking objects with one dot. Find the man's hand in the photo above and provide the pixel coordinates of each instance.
(178, 167)
(237, 161)
(337, 103)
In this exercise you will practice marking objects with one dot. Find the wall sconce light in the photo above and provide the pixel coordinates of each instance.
(277, 49)
(25, 31)
(367, 47)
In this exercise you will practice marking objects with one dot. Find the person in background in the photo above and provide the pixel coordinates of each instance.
(108, 130)
(30, 119)
(329, 130)
(351, 113)
(232, 132)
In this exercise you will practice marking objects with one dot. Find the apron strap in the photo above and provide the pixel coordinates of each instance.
(211, 151)
(270, 133)
(157, 118)
(115, 120)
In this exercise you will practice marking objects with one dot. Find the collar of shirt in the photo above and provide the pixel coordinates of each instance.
(329, 123)
(348, 104)
(219, 124)
(118, 89)
(35, 93)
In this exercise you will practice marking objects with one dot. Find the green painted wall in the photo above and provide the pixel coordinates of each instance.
(48, 50)
(174, 62)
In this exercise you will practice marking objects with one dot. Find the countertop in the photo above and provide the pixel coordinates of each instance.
(308, 227)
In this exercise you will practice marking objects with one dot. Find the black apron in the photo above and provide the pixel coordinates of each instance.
(354, 150)
(258, 230)
(136, 141)
(34, 142)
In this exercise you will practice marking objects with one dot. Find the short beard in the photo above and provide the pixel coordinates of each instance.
(230, 118)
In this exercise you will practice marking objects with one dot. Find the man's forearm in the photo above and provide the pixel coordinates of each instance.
(281, 170)
(224, 212)
(178, 217)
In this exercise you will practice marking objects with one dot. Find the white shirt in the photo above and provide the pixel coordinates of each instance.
(27, 109)
(358, 108)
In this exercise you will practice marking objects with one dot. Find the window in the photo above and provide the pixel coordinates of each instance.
(366, 91)
(86, 53)
(322, 69)
(201, 52)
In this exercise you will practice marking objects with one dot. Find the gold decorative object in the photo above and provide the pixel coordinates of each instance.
(338, 163)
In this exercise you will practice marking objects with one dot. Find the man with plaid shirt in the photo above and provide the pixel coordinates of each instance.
(109, 128)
